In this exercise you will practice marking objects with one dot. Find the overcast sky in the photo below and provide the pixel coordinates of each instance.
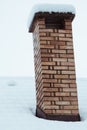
(16, 46)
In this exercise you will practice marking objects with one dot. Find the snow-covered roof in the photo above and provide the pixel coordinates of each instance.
(56, 8)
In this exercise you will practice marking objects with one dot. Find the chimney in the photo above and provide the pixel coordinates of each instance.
(55, 77)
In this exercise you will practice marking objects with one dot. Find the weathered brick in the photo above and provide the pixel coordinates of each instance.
(46, 38)
(72, 77)
(48, 72)
(45, 67)
(62, 94)
(66, 55)
(48, 63)
(70, 60)
(68, 27)
(48, 111)
(74, 94)
(47, 55)
(68, 81)
(47, 94)
(67, 63)
(68, 72)
(59, 59)
(74, 102)
(62, 103)
(69, 90)
(61, 76)
(72, 85)
(68, 35)
(47, 46)
(59, 51)
(58, 34)
(51, 98)
(75, 112)
(66, 47)
(58, 43)
(71, 107)
(69, 98)
(72, 68)
(50, 89)
(63, 112)
(65, 39)
(61, 85)
(46, 30)
(51, 107)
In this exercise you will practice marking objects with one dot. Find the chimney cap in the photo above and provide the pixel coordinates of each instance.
(48, 10)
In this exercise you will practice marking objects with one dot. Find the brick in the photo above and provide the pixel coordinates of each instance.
(45, 67)
(42, 34)
(72, 85)
(46, 38)
(70, 60)
(68, 81)
(48, 63)
(58, 34)
(68, 27)
(66, 47)
(65, 39)
(61, 85)
(74, 102)
(61, 76)
(72, 77)
(42, 26)
(48, 71)
(46, 30)
(51, 107)
(45, 76)
(47, 111)
(70, 107)
(69, 98)
(50, 80)
(69, 51)
(75, 112)
(65, 31)
(51, 99)
(59, 59)
(67, 55)
(46, 85)
(47, 46)
(59, 51)
(58, 43)
(47, 103)
(67, 63)
(68, 23)
(68, 72)
(63, 112)
(47, 94)
(74, 94)
(50, 89)
(72, 68)
(62, 94)
(47, 55)
(41, 22)
(69, 35)
(60, 67)
(69, 90)
(62, 103)
(69, 43)
(44, 59)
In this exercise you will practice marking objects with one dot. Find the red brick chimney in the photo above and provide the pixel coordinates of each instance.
(56, 90)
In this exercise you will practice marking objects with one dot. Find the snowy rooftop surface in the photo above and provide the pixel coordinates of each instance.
(18, 102)
(61, 8)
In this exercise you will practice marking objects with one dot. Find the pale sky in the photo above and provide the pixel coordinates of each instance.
(16, 46)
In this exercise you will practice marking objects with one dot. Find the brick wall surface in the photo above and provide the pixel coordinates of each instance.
(55, 69)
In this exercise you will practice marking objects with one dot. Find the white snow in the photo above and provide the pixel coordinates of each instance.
(50, 8)
(17, 107)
